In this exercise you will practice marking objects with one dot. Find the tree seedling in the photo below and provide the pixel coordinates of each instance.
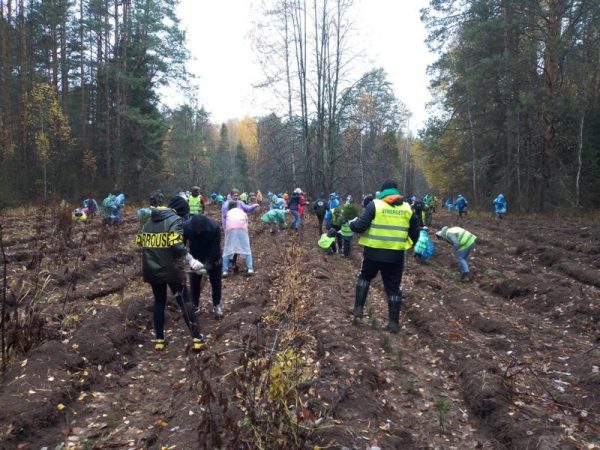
(373, 321)
(442, 406)
(386, 343)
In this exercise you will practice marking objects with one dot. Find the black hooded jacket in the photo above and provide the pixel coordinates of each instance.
(161, 239)
(294, 201)
(204, 236)
(320, 206)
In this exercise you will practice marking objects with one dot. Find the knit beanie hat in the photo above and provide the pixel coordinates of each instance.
(389, 184)
(157, 198)
(180, 205)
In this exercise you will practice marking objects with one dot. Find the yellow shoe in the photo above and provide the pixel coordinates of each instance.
(159, 345)
(198, 344)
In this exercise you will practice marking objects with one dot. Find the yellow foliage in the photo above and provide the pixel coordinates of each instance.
(46, 122)
(246, 132)
(89, 161)
(442, 171)
(284, 374)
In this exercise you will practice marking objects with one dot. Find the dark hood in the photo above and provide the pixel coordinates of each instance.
(200, 223)
(161, 213)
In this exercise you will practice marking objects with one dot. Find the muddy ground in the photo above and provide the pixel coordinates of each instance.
(509, 360)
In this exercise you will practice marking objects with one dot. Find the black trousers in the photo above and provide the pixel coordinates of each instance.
(391, 274)
(160, 302)
(215, 277)
(320, 218)
(346, 246)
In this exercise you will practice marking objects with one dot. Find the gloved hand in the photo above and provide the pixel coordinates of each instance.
(195, 265)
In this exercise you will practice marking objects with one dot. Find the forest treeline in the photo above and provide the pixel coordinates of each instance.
(516, 87)
(515, 104)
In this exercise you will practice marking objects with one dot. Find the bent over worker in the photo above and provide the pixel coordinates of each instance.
(462, 242)
(163, 257)
(388, 228)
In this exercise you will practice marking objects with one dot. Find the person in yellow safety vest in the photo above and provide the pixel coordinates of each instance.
(79, 215)
(196, 202)
(388, 228)
(327, 241)
(462, 243)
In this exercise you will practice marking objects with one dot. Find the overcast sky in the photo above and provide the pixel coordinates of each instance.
(390, 32)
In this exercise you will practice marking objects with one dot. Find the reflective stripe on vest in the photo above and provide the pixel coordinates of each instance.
(389, 228)
(465, 238)
(195, 205)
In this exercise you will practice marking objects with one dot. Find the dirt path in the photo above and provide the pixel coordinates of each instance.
(509, 360)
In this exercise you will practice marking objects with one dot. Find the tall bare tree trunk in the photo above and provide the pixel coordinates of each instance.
(473, 152)
(54, 44)
(64, 67)
(579, 151)
(23, 77)
(117, 82)
(82, 97)
(108, 148)
(299, 15)
(333, 85)
(6, 125)
(320, 36)
(551, 80)
(290, 126)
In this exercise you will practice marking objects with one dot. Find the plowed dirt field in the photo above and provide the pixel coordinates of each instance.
(508, 360)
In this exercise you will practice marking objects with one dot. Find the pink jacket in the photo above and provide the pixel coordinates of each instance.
(236, 218)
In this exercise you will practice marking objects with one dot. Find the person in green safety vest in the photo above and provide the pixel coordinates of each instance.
(196, 202)
(462, 242)
(388, 228)
(327, 241)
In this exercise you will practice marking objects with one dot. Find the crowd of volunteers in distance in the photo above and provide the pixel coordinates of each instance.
(181, 244)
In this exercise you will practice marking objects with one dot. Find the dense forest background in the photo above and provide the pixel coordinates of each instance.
(515, 110)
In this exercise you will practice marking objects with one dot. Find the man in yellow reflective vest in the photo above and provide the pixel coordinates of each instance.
(196, 202)
(462, 243)
(388, 228)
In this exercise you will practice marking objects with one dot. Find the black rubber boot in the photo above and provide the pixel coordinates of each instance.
(394, 305)
(362, 289)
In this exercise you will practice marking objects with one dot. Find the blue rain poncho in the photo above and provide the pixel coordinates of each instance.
(424, 247)
(500, 205)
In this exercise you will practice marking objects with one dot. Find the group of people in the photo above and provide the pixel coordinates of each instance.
(248, 198)
(112, 209)
(337, 217)
(461, 205)
(179, 235)
(178, 240)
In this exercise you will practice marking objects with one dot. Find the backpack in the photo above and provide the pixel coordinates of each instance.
(320, 207)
